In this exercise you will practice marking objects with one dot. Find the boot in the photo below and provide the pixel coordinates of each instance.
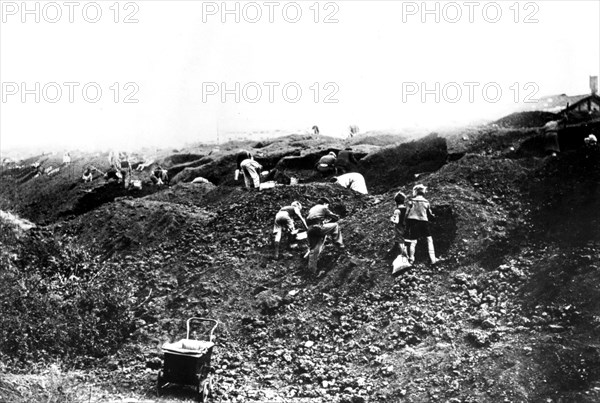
(313, 255)
(431, 250)
(304, 245)
(411, 252)
(276, 256)
(393, 251)
(403, 250)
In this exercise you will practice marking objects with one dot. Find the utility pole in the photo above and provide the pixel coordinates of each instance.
(218, 139)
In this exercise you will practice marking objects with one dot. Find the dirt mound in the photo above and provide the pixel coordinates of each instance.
(188, 174)
(129, 224)
(567, 191)
(377, 139)
(178, 159)
(175, 172)
(526, 119)
(105, 193)
(395, 166)
(510, 315)
(186, 194)
(19, 225)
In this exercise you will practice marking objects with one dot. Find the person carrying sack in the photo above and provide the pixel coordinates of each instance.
(417, 223)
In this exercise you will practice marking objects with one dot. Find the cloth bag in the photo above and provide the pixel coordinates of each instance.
(400, 263)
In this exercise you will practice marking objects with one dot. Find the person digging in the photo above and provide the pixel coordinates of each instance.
(87, 175)
(250, 169)
(319, 229)
(284, 223)
(160, 176)
(326, 164)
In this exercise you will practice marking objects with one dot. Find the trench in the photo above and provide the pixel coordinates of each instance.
(105, 194)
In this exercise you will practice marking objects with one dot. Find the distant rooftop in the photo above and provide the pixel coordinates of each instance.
(554, 103)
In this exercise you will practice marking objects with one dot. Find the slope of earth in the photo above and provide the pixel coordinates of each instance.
(510, 315)
(377, 139)
(128, 224)
(433, 335)
(493, 141)
(47, 198)
(527, 119)
(400, 164)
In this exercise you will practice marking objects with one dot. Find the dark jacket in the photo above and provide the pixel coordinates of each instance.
(346, 159)
(241, 157)
(318, 214)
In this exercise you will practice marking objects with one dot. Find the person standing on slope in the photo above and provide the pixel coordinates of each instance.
(399, 220)
(318, 229)
(551, 145)
(417, 223)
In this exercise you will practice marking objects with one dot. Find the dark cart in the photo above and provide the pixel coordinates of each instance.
(187, 362)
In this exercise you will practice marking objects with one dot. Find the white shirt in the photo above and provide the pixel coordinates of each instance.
(354, 181)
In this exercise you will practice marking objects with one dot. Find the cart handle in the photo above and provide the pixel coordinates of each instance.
(211, 336)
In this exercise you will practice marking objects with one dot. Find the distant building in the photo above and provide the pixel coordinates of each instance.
(562, 103)
(555, 103)
(590, 104)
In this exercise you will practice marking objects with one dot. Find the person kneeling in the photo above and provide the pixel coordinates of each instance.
(160, 176)
(87, 176)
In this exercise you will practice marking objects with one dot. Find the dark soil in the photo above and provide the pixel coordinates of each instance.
(526, 119)
(510, 314)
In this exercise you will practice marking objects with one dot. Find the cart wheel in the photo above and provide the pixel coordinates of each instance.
(160, 382)
(205, 393)
(203, 390)
(211, 386)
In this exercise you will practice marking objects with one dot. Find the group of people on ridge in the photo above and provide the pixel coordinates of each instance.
(120, 167)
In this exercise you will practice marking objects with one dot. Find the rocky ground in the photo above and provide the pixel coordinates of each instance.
(511, 314)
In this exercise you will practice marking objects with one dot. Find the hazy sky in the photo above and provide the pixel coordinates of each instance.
(377, 64)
